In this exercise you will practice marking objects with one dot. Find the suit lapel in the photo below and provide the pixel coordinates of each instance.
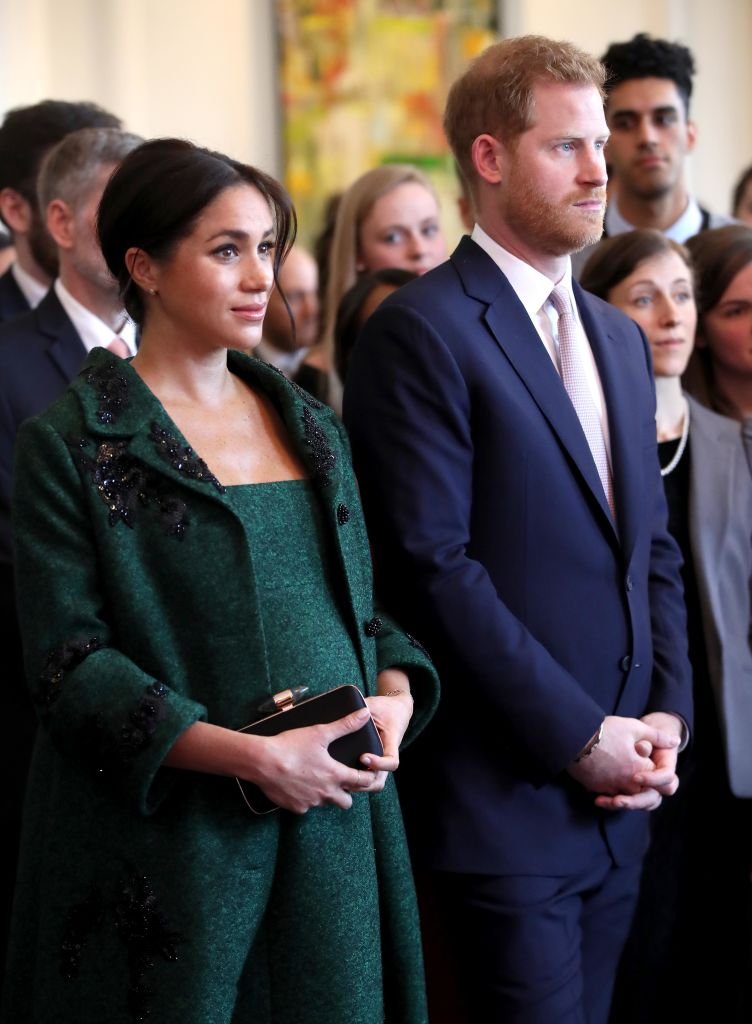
(65, 349)
(510, 325)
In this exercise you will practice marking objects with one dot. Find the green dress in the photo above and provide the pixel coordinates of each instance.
(151, 597)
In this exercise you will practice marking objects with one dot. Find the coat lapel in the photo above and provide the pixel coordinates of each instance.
(118, 406)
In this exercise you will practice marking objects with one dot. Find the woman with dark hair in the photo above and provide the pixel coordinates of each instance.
(720, 372)
(741, 201)
(190, 548)
(357, 304)
(690, 942)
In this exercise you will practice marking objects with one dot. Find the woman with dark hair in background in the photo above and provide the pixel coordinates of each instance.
(190, 543)
(741, 202)
(720, 372)
(689, 949)
(356, 306)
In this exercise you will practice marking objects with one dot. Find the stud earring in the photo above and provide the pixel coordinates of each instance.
(152, 291)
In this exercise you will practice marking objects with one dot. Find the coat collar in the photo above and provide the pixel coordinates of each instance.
(513, 331)
(117, 405)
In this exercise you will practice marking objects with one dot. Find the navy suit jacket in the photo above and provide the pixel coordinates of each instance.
(12, 300)
(40, 353)
(494, 542)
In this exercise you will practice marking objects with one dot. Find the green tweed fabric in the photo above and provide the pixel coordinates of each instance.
(150, 893)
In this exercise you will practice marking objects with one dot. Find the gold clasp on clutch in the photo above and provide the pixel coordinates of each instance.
(283, 701)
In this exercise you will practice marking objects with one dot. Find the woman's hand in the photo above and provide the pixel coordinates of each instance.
(391, 711)
(296, 770)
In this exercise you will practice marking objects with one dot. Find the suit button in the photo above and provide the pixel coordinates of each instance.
(628, 583)
(625, 663)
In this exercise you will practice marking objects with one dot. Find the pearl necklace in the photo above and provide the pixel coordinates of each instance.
(682, 443)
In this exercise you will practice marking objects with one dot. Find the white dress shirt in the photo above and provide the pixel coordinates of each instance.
(31, 289)
(688, 224)
(91, 329)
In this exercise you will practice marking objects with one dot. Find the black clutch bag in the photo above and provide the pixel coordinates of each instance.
(318, 710)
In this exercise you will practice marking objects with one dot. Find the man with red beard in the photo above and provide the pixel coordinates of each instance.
(27, 134)
(503, 432)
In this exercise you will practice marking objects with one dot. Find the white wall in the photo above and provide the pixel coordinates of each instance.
(191, 68)
(207, 70)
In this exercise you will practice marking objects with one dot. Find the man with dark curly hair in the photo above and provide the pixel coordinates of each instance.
(648, 92)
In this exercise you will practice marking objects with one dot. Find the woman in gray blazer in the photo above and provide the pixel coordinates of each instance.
(691, 934)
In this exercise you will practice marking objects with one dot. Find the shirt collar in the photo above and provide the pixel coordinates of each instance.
(688, 224)
(530, 286)
(91, 329)
(31, 289)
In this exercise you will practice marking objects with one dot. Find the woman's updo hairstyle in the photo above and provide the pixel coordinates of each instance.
(156, 195)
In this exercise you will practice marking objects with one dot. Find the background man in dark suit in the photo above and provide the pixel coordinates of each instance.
(26, 135)
(40, 352)
(503, 430)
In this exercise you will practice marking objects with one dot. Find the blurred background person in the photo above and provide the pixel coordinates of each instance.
(648, 91)
(689, 947)
(720, 372)
(40, 353)
(7, 252)
(741, 206)
(357, 304)
(27, 134)
(389, 217)
(291, 329)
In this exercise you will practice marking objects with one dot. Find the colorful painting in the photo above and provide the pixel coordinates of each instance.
(364, 83)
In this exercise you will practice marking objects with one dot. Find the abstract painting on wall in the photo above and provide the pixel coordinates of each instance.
(363, 82)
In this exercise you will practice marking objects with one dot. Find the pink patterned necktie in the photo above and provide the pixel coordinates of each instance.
(118, 347)
(574, 378)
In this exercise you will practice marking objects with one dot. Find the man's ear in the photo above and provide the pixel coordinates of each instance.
(142, 269)
(16, 211)
(691, 135)
(489, 157)
(60, 225)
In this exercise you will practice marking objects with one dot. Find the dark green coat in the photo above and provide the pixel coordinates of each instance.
(144, 889)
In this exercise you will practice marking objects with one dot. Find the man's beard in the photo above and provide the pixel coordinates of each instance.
(42, 246)
(557, 228)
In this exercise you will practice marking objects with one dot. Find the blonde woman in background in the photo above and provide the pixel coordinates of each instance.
(389, 217)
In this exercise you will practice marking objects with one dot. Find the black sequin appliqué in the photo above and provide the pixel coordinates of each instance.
(418, 645)
(323, 458)
(373, 627)
(112, 391)
(343, 514)
(141, 925)
(301, 392)
(109, 749)
(81, 921)
(66, 657)
(142, 723)
(182, 458)
(124, 483)
(145, 932)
